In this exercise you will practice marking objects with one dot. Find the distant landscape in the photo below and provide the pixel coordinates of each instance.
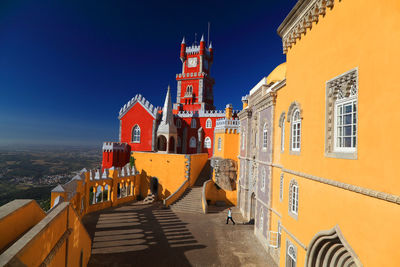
(31, 172)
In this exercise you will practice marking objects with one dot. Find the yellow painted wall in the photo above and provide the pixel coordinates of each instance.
(214, 194)
(353, 34)
(17, 221)
(230, 145)
(197, 163)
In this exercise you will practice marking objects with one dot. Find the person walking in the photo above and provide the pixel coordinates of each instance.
(229, 216)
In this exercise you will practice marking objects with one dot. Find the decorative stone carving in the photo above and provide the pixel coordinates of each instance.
(225, 171)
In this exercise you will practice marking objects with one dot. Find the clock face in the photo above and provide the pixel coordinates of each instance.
(192, 62)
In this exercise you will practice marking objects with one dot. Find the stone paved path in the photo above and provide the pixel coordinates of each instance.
(147, 235)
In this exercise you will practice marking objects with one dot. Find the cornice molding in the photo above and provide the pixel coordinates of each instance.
(301, 18)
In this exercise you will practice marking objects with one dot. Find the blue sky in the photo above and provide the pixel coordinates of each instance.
(67, 67)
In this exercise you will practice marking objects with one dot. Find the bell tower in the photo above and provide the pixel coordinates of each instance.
(195, 85)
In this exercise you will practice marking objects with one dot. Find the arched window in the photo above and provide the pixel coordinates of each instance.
(263, 178)
(282, 125)
(219, 143)
(193, 123)
(208, 123)
(291, 257)
(192, 142)
(178, 123)
(293, 197)
(296, 131)
(136, 134)
(265, 136)
(207, 142)
(189, 89)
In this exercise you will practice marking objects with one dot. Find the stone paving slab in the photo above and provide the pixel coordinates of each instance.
(148, 235)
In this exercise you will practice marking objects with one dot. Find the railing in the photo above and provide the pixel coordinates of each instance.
(203, 196)
(172, 198)
(227, 124)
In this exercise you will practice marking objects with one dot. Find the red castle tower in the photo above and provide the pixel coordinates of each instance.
(195, 86)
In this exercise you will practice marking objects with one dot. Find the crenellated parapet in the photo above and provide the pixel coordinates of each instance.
(301, 19)
(115, 146)
(153, 110)
(201, 113)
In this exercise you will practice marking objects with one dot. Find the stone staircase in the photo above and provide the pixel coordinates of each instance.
(190, 201)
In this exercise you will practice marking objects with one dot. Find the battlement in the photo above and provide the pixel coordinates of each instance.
(191, 74)
(201, 113)
(114, 146)
(143, 101)
(195, 49)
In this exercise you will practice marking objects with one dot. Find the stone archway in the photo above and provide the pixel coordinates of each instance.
(161, 143)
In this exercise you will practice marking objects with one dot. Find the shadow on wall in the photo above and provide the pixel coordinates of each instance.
(130, 233)
(147, 187)
(217, 196)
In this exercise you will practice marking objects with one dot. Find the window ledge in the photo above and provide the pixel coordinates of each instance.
(136, 142)
(341, 155)
(297, 153)
(293, 215)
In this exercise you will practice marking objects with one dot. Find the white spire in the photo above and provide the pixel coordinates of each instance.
(167, 121)
(210, 45)
(202, 38)
(183, 40)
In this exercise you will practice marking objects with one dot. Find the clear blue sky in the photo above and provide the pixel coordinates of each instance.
(67, 67)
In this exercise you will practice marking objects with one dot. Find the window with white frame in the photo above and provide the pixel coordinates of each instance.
(263, 178)
(136, 134)
(281, 188)
(293, 197)
(219, 143)
(207, 142)
(208, 123)
(296, 131)
(346, 123)
(193, 123)
(341, 116)
(192, 142)
(291, 255)
(178, 123)
(265, 136)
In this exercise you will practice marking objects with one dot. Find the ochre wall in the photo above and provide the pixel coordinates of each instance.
(213, 194)
(17, 221)
(354, 34)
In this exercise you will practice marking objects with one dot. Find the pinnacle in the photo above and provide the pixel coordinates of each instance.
(202, 38)
(183, 40)
(210, 45)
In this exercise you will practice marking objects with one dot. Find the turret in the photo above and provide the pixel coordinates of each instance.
(202, 45)
(228, 111)
(183, 50)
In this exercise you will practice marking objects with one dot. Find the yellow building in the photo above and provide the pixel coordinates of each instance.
(335, 194)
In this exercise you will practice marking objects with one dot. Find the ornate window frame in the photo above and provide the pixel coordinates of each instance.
(293, 198)
(265, 137)
(341, 90)
(282, 126)
(295, 126)
(219, 144)
(281, 183)
(208, 123)
(291, 254)
(136, 134)
(207, 142)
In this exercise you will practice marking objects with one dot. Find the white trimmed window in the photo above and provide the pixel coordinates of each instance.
(265, 136)
(193, 123)
(296, 131)
(192, 142)
(209, 123)
(291, 255)
(263, 178)
(346, 123)
(178, 123)
(294, 197)
(281, 188)
(219, 143)
(207, 142)
(136, 134)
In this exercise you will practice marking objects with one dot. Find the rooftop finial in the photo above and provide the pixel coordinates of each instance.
(183, 40)
(202, 38)
(210, 45)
